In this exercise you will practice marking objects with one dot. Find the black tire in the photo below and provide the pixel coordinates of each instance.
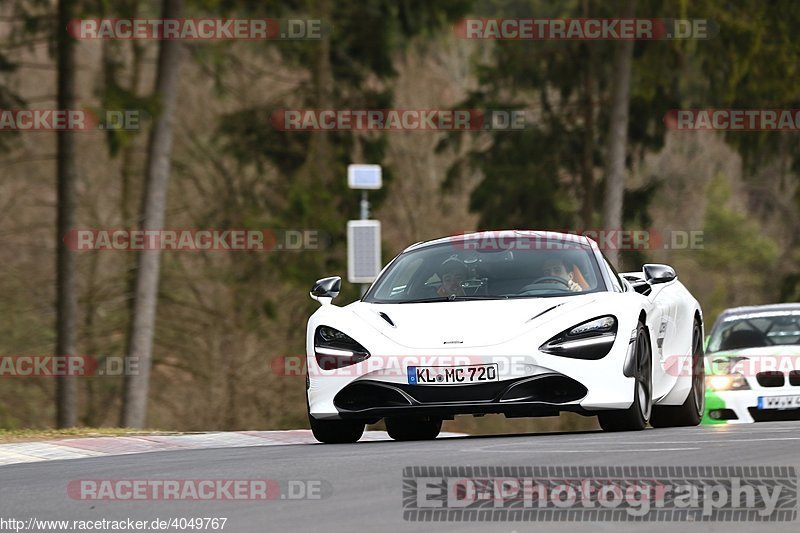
(413, 428)
(691, 411)
(635, 417)
(336, 431)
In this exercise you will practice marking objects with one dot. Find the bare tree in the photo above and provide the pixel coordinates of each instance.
(587, 157)
(154, 201)
(618, 135)
(66, 171)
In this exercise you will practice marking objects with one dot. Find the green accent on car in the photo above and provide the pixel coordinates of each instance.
(713, 401)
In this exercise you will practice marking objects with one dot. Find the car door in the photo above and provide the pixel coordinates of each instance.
(667, 336)
(655, 308)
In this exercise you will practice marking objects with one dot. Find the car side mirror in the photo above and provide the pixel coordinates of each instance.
(326, 289)
(655, 273)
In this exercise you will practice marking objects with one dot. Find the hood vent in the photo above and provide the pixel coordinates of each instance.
(386, 318)
(545, 311)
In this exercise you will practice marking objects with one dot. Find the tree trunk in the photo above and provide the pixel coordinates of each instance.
(320, 150)
(618, 136)
(587, 157)
(140, 345)
(66, 171)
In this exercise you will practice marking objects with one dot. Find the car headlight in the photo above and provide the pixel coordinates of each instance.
(334, 349)
(732, 381)
(603, 324)
(588, 340)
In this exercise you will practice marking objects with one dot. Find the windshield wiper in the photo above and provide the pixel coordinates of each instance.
(422, 300)
(479, 297)
(545, 295)
(452, 298)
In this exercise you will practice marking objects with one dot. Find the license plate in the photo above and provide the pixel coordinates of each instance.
(452, 375)
(779, 402)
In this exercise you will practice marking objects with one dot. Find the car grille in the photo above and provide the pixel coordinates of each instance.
(773, 415)
(770, 379)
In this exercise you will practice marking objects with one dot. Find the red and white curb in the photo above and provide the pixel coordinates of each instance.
(80, 448)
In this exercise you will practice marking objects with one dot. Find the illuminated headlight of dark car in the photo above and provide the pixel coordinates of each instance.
(588, 340)
(334, 349)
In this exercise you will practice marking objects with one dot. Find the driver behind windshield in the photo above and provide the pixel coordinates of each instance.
(453, 273)
(556, 268)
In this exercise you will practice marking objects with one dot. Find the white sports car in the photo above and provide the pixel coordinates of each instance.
(522, 323)
(753, 365)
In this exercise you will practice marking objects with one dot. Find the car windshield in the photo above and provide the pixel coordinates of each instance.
(518, 267)
(755, 330)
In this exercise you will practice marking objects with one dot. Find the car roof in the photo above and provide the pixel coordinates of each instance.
(767, 308)
(505, 234)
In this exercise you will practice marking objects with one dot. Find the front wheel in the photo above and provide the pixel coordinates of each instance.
(691, 412)
(336, 431)
(413, 428)
(635, 417)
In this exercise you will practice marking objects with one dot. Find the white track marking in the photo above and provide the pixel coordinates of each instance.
(81, 448)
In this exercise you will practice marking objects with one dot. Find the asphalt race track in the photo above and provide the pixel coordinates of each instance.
(365, 479)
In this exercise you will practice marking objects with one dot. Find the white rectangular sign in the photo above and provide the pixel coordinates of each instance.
(363, 250)
(364, 176)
